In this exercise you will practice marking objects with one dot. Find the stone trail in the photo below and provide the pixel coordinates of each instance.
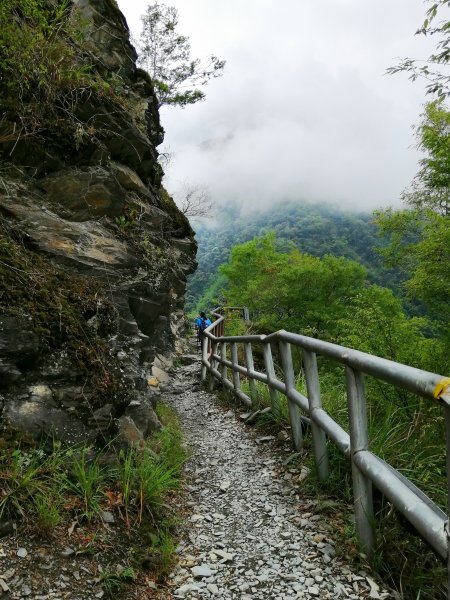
(246, 537)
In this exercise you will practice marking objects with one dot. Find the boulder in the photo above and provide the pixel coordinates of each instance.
(143, 416)
(109, 36)
(128, 434)
(36, 414)
(128, 179)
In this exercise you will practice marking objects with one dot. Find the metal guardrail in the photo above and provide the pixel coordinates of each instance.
(367, 468)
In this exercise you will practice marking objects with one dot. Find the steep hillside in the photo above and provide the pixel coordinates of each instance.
(315, 229)
(93, 252)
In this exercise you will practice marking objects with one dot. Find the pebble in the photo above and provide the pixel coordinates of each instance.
(108, 517)
(201, 571)
(246, 536)
(225, 556)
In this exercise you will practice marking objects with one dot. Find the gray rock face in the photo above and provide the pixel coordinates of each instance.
(39, 416)
(94, 259)
(108, 37)
(19, 349)
(84, 194)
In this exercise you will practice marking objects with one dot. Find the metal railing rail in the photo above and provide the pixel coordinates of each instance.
(367, 468)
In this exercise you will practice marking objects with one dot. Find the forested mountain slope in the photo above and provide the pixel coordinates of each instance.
(315, 229)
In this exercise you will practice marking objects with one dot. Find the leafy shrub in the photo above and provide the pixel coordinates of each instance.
(45, 74)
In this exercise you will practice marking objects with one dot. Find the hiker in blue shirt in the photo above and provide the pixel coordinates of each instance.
(201, 323)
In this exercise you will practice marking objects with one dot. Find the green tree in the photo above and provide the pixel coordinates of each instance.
(314, 229)
(166, 55)
(430, 69)
(420, 235)
(420, 244)
(375, 322)
(329, 298)
(431, 186)
(291, 289)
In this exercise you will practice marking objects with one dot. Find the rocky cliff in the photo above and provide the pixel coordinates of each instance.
(93, 252)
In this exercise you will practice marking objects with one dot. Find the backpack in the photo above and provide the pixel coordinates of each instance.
(203, 324)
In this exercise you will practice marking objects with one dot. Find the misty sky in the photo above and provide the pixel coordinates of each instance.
(304, 109)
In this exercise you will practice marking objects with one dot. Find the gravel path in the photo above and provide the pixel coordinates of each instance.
(250, 535)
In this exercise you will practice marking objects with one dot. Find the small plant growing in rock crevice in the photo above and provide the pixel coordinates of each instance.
(48, 513)
(112, 580)
(47, 74)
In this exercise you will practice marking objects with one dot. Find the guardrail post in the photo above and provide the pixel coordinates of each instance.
(270, 371)
(314, 401)
(359, 440)
(447, 435)
(234, 362)
(250, 367)
(289, 380)
(223, 356)
(212, 363)
(204, 355)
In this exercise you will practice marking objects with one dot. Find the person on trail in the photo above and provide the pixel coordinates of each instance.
(201, 323)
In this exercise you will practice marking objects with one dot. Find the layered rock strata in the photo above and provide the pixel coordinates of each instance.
(93, 258)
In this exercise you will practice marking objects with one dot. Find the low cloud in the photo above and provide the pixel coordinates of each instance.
(304, 110)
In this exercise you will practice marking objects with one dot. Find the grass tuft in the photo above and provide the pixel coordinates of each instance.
(112, 581)
(46, 491)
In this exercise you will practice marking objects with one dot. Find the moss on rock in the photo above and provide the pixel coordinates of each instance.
(67, 313)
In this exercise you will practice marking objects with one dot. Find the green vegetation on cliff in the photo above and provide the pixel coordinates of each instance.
(92, 250)
(45, 72)
(93, 262)
(61, 313)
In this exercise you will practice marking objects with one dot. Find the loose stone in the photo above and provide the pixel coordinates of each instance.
(246, 538)
(201, 571)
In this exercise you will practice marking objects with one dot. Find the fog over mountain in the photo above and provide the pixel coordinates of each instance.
(304, 109)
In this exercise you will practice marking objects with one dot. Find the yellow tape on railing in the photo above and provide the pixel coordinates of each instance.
(441, 387)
